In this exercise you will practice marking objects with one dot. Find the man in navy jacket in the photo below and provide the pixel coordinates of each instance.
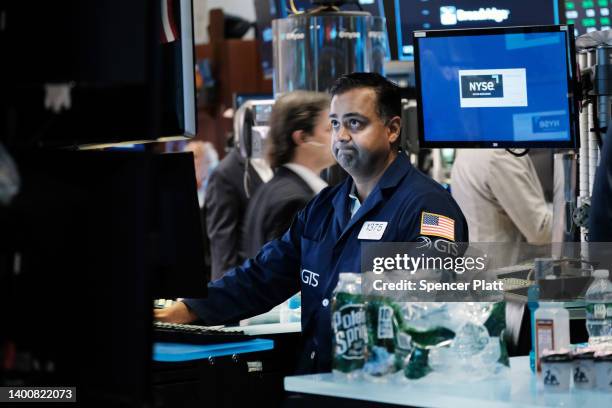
(325, 237)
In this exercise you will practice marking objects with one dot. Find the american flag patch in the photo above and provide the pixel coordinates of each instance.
(437, 225)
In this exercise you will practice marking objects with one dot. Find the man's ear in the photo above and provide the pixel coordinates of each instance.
(394, 128)
(298, 137)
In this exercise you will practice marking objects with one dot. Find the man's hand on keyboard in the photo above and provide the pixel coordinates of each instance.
(177, 313)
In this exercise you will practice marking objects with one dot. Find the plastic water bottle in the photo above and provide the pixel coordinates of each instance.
(598, 300)
(349, 329)
(295, 308)
(543, 267)
(551, 328)
(290, 310)
(533, 297)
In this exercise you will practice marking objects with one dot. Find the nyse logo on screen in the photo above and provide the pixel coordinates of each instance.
(493, 88)
(548, 123)
(482, 86)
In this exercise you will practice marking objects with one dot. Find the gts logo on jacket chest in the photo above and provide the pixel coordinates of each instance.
(310, 278)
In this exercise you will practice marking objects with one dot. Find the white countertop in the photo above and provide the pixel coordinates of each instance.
(519, 389)
(270, 328)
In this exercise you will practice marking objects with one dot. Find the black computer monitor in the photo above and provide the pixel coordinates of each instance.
(496, 87)
(93, 237)
(78, 73)
(179, 117)
(98, 235)
(586, 15)
(412, 15)
(178, 261)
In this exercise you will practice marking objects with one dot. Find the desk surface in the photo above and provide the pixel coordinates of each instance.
(173, 352)
(270, 328)
(519, 389)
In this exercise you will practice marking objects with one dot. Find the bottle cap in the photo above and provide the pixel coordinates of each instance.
(600, 273)
(556, 356)
(350, 277)
(585, 353)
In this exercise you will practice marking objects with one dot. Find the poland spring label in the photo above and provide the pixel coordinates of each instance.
(350, 331)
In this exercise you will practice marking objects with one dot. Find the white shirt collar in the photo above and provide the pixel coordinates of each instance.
(201, 195)
(355, 202)
(315, 182)
(262, 168)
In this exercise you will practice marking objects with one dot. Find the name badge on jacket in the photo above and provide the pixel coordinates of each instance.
(372, 230)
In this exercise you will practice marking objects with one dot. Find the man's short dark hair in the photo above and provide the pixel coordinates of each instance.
(298, 110)
(388, 97)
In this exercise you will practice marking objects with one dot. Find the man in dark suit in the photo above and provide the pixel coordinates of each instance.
(298, 150)
(225, 205)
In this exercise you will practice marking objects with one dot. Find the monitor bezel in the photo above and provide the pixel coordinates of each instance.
(187, 70)
(572, 100)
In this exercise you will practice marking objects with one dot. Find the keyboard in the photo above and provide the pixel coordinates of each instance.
(193, 334)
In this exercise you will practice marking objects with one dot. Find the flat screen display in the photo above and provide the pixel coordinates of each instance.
(586, 15)
(412, 15)
(509, 87)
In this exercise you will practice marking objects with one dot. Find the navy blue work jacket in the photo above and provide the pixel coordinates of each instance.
(321, 243)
